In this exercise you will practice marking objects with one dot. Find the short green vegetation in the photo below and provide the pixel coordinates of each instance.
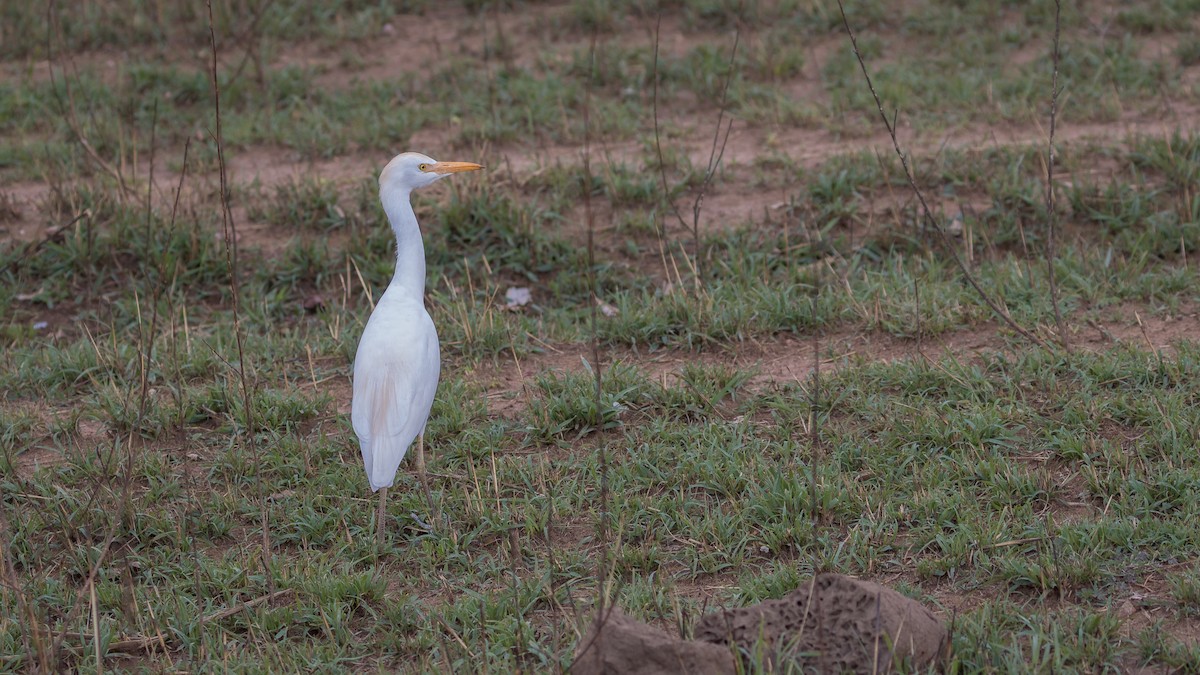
(1044, 502)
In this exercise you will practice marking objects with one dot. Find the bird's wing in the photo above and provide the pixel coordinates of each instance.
(390, 406)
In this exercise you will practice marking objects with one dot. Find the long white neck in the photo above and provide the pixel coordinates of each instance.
(409, 278)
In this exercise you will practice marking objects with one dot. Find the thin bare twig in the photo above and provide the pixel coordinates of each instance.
(602, 564)
(53, 233)
(715, 155)
(714, 158)
(243, 606)
(231, 259)
(1051, 214)
(68, 107)
(662, 168)
(251, 41)
(926, 212)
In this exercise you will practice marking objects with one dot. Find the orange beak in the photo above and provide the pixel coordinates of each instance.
(454, 167)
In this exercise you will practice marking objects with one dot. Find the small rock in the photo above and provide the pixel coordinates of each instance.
(313, 302)
(518, 296)
(955, 228)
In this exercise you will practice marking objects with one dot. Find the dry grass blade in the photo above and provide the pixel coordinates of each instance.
(30, 633)
(133, 644)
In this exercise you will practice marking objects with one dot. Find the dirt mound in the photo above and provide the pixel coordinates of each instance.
(833, 624)
(625, 645)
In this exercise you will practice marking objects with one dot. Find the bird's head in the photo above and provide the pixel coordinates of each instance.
(411, 170)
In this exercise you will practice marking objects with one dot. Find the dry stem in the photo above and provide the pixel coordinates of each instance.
(926, 212)
(231, 259)
(1051, 215)
(715, 155)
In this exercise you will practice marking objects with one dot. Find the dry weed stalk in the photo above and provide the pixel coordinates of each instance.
(51, 657)
(715, 155)
(603, 607)
(252, 38)
(1051, 215)
(231, 258)
(146, 340)
(925, 210)
(597, 366)
(814, 424)
(57, 645)
(68, 108)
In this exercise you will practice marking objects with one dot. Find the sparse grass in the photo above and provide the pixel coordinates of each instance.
(1028, 493)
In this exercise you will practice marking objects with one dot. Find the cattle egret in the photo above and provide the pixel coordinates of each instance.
(397, 365)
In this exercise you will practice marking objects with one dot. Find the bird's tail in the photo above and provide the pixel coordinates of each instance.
(383, 462)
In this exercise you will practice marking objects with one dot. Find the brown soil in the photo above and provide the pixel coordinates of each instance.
(790, 358)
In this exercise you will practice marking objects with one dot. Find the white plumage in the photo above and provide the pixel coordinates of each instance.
(395, 378)
(397, 365)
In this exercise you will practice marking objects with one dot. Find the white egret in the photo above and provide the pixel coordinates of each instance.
(397, 365)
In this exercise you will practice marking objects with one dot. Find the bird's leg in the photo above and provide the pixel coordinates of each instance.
(379, 518)
(424, 478)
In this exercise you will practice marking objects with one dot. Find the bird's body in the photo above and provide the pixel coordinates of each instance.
(395, 377)
(397, 365)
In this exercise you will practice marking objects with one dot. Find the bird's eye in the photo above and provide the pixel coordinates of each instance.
(423, 167)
